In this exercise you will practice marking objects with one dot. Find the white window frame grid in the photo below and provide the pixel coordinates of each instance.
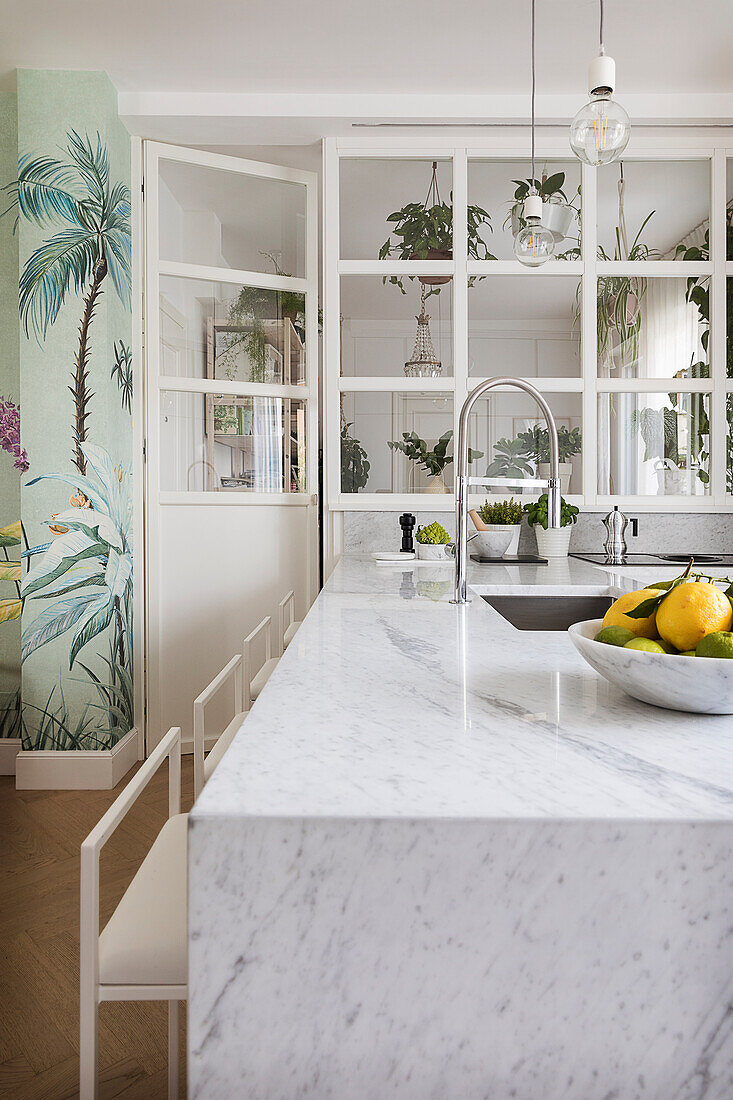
(588, 268)
(158, 383)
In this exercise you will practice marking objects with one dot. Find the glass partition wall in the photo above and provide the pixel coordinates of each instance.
(624, 330)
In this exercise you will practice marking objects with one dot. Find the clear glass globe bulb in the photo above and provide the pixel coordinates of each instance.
(534, 244)
(600, 131)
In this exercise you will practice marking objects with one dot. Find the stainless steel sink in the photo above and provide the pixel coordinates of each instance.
(549, 612)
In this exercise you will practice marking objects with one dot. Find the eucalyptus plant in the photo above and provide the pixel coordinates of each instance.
(536, 443)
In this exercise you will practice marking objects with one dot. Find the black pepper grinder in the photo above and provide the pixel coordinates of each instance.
(407, 523)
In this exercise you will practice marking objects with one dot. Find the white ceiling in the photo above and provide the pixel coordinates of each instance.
(392, 46)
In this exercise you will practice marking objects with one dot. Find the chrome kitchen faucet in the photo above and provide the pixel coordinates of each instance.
(464, 482)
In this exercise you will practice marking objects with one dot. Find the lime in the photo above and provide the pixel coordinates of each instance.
(687, 653)
(614, 635)
(645, 644)
(718, 644)
(667, 646)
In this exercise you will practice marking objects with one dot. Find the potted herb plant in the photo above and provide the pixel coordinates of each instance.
(497, 527)
(552, 542)
(432, 542)
(434, 460)
(424, 231)
(557, 212)
(536, 442)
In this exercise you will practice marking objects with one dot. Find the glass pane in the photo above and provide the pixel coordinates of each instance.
(420, 464)
(729, 327)
(647, 208)
(729, 210)
(371, 190)
(237, 333)
(653, 444)
(524, 326)
(500, 186)
(653, 328)
(509, 430)
(379, 327)
(216, 443)
(729, 443)
(228, 219)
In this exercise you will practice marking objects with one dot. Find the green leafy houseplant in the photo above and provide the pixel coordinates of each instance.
(433, 461)
(425, 232)
(619, 298)
(433, 535)
(550, 190)
(510, 460)
(536, 443)
(537, 513)
(355, 465)
(502, 513)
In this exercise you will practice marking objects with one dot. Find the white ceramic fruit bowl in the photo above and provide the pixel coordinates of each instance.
(701, 685)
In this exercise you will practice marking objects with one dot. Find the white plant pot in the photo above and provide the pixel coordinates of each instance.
(436, 484)
(496, 540)
(556, 216)
(428, 551)
(566, 472)
(554, 542)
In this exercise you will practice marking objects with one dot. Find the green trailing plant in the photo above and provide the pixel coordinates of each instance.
(538, 516)
(433, 535)
(502, 513)
(433, 460)
(355, 465)
(536, 443)
(422, 228)
(619, 298)
(510, 460)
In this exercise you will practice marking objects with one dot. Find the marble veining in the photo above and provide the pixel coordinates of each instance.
(444, 859)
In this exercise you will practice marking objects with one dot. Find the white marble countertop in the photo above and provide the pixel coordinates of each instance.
(393, 703)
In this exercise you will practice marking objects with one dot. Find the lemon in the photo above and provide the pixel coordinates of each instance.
(647, 645)
(691, 611)
(617, 613)
(614, 635)
(718, 644)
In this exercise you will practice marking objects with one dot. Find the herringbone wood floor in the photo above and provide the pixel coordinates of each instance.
(40, 836)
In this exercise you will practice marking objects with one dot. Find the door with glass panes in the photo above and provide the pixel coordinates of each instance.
(231, 336)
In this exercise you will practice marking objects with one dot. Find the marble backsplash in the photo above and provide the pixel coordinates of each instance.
(658, 532)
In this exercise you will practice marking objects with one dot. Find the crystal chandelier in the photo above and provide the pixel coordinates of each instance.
(423, 362)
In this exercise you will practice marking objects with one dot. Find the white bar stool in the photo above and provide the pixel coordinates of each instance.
(203, 766)
(286, 609)
(142, 953)
(255, 681)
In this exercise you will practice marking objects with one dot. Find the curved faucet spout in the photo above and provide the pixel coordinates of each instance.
(463, 483)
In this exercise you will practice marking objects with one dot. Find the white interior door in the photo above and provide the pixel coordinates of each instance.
(231, 344)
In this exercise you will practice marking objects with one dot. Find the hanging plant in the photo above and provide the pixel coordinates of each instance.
(425, 232)
(557, 212)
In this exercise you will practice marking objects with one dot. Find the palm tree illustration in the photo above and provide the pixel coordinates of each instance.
(93, 241)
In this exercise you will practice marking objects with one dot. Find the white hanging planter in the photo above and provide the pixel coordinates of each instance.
(554, 542)
(556, 216)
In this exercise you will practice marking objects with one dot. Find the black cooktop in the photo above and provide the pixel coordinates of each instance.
(662, 559)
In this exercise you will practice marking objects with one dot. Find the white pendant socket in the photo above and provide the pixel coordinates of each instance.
(533, 207)
(602, 74)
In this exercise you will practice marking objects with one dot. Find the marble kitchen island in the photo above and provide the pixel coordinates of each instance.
(444, 859)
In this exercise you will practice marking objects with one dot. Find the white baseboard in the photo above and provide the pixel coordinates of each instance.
(9, 749)
(80, 770)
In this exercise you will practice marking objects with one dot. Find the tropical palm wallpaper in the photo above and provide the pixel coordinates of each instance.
(69, 202)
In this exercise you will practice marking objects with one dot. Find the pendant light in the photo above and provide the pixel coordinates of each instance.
(534, 244)
(600, 131)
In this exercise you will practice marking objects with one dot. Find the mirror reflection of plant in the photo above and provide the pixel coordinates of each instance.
(355, 465)
(433, 460)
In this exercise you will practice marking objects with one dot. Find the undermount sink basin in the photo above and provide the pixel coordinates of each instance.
(549, 612)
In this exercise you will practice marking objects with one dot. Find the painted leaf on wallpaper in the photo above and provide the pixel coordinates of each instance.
(90, 565)
(9, 570)
(93, 240)
(10, 535)
(10, 609)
